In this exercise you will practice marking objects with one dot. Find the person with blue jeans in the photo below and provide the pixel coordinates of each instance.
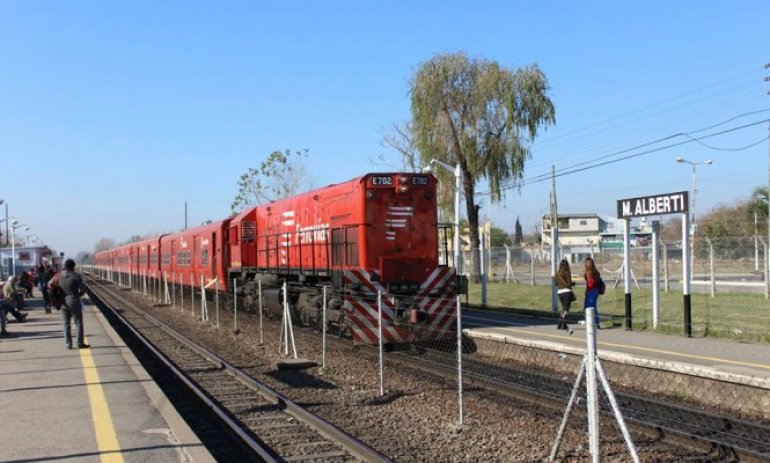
(593, 281)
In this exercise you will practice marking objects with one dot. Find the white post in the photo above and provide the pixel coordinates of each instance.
(767, 277)
(173, 289)
(711, 268)
(261, 331)
(323, 329)
(192, 294)
(655, 279)
(235, 305)
(458, 196)
(532, 267)
(665, 265)
(181, 292)
(483, 262)
(459, 360)
(756, 244)
(216, 288)
(591, 390)
(204, 306)
(379, 339)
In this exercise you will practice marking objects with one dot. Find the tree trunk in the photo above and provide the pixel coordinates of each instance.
(473, 224)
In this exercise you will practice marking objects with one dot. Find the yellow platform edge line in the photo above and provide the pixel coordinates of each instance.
(106, 437)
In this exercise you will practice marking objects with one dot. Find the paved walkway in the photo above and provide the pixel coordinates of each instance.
(719, 354)
(83, 405)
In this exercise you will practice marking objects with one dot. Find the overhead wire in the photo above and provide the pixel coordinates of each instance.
(580, 167)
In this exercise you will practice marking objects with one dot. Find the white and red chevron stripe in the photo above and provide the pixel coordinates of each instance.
(435, 298)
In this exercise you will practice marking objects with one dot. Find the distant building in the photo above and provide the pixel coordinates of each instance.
(26, 258)
(581, 235)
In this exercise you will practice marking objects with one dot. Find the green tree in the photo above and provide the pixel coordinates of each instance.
(498, 237)
(481, 115)
(518, 233)
(280, 175)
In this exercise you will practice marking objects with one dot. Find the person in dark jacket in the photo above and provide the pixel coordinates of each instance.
(72, 284)
(564, 284)
(593, 281)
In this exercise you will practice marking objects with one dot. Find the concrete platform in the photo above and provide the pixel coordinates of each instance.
(721, 359)
(84, 405)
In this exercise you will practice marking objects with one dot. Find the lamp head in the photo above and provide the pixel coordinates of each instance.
(427, 169)
(2, 200)
(708, 161)
(680, 159)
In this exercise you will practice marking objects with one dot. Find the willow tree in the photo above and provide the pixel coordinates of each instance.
(481, 115)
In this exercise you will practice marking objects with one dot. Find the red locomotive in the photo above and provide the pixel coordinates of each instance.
(375, 234)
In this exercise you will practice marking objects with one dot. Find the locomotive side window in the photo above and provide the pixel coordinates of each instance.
(351, 246)
(338, 243)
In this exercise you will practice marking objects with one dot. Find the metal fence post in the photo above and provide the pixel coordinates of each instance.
(767, 264)
(323, 329)
(711, 268)
(261, 331)
(379, 340)
(173, 289)
(216, 288)
(235, 305)
(181, 292)
(655, 279)
(591, 391)
(459, 360)
(532, 268)
(665, 265)
(192, 294)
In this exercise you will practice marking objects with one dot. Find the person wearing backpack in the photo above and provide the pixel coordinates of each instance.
(72, 284)
(594, 287)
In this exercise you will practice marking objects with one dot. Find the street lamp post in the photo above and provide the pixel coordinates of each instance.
(3, 201)
(14, 225)
(693, 188)
(458, 193)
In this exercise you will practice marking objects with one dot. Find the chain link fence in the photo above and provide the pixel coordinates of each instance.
(729, 284)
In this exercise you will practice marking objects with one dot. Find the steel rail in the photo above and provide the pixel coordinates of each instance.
(247, 439)
(351, 444)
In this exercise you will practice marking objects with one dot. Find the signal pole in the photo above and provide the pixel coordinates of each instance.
(554, 239)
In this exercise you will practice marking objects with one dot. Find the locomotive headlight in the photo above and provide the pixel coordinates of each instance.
(403, 188)
(403, 180)
(370, 194)
(428, 195)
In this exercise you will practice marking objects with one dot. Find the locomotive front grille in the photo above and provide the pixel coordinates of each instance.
(399, 269)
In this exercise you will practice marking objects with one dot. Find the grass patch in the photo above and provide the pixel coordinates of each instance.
(739, 316)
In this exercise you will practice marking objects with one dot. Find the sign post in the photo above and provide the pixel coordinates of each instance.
(667, 203)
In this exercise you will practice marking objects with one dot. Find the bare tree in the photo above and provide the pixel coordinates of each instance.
(103, 244)
(280, 175)
(399, 137)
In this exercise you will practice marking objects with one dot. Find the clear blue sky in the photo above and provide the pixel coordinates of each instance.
(112, 114)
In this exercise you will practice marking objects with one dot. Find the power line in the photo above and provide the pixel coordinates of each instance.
(576, 167)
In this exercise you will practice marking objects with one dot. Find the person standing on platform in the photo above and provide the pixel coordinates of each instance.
(593, 285)
(566, 296)
(72, 284)
(42, 284)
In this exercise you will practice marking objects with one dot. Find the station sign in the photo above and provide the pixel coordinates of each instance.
(667, 203)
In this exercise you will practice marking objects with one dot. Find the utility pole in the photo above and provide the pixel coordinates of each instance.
(554, 239)
(767, 258)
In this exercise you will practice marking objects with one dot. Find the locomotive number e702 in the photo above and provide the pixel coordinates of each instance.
(380, 180)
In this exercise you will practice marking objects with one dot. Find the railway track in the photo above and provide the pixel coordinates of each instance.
(727, 438)
(268, 424)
